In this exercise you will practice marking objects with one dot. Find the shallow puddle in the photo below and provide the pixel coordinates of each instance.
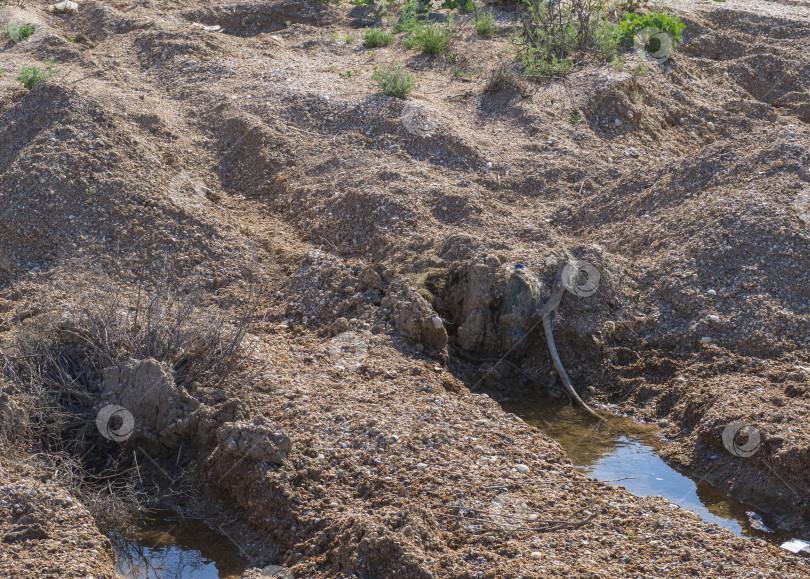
(166, 546)
(621, 447)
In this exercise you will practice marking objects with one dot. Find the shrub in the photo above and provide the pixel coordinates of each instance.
(29, 76)
(394, 81)
(430, 38)
(633, 22)
(412, 16)
(485, 25)
(17, 31)
(552, 32)
(375, 37)
(462, 5)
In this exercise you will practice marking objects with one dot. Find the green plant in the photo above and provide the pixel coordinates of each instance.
(430, 38)
(349, 73)
(552, 33)
(462, 5)
(287, 24)
(334, 36)
(17, 32)
(412, 15)
(350, 38)
(29, 76)
(375, 37)
(452, 58)
(631, 23)
(394, 81)
(485, 24)
(641, 69)
(618, 62)
(576, 116)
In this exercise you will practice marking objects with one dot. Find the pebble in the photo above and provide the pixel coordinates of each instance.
(663, 423)
(522, 468)
(710, 126)
(712, 293)
(706, 340)
(421, 466)
(479, 449)
(713, 318)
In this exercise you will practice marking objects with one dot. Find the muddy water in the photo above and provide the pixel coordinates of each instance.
(621, 447)
(165, 546)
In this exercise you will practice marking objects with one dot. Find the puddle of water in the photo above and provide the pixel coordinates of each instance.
(165, 546)
(621, 447)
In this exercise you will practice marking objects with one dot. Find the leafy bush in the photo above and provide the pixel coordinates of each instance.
(552, 32)
(17, 32)
(430, 38)
(29, 76)
(394, 81)
(375, 37)
(462, 5)
(485, 25)
(632, 22)
(412, 16)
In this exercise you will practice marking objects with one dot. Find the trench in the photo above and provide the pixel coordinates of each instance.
(621, 448)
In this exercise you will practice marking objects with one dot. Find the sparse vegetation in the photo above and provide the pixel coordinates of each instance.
(375, 37)
(461, 5)
(17, 32)
(29, 76)
(350, 38)
(485, 24)
(394, 81)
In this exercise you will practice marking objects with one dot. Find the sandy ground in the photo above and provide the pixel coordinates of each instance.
(261, 160)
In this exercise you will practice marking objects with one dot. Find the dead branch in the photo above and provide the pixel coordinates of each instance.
(547, 313)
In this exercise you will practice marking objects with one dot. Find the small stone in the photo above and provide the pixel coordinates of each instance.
(522, 468)
(479, 449)
(706, 340)
(421, 466)
(713, 318)
(712, 293)
(489, 164)
(536, 554)
(710, 126)
(663, 423)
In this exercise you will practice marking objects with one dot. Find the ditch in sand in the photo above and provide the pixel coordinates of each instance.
(625, 452)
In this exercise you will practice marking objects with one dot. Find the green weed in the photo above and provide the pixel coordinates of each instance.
(17, 32)
(375, 37)
(394, 81)
(29, 76)
(485, 25)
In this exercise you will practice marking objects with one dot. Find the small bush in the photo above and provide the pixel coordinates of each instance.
(553, 33)
(633, 22)
(394, 81)
(17, 32)
(485, 25)
(462, 5)
(375, 37)
(412, 16)
(29, 76)
(430, 38)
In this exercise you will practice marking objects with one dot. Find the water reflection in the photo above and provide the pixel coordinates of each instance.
(166, 546)
(621, 447)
